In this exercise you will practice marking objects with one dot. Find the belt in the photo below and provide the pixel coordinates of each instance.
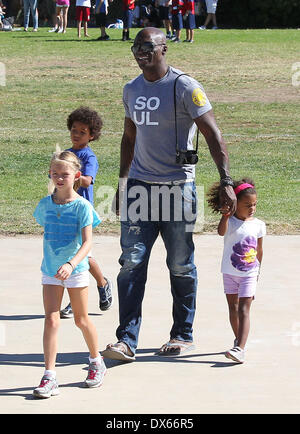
(177, 182)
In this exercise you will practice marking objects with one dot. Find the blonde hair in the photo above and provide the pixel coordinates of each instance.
(69, 158)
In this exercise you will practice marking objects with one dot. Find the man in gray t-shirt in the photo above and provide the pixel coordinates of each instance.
(160, 196)
(150, 105)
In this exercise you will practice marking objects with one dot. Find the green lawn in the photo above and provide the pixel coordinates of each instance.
(247, 75)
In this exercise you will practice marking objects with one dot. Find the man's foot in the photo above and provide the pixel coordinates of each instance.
(96, 374)
(119, 351)
(236, 354)
(105, 294)
(175, 348)
(66, 312)
(48, 387)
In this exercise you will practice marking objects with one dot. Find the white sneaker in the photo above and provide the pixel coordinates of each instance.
(96, 374)
(48, 387)
(202, 27)
(52, 30)
(236, 354)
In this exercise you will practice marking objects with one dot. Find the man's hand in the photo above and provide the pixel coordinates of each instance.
(227, 200)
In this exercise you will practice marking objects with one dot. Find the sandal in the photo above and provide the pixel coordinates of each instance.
(118, 351)
(175, 348)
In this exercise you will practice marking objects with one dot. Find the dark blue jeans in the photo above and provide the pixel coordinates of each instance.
(159, 216)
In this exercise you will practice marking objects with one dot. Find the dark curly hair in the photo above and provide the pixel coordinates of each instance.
(89, 117)
(213, 194)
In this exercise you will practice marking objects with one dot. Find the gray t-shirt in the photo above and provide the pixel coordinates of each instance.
(150, 105)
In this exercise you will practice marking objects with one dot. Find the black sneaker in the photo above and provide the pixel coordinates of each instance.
(105, 294)
(66, 312)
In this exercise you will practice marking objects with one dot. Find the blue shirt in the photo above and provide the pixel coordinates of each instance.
(89, 167)
(102, 7)
(62, 231)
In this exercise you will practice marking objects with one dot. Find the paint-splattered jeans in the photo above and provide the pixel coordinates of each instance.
(144, 216)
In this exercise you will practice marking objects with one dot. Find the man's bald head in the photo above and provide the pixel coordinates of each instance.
(151, 33)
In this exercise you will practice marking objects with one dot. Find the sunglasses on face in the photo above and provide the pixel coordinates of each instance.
(146, 47)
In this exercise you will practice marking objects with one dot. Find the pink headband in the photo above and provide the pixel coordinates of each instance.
(242, 187)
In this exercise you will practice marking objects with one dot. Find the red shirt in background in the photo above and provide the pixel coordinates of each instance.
(128, 4)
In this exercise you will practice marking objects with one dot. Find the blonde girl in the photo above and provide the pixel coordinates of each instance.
(67, 219)
(242, 256)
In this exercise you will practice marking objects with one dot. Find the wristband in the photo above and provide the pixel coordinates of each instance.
(70, 263)
(226, 181)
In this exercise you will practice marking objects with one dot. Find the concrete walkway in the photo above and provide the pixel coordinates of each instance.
(203, 381)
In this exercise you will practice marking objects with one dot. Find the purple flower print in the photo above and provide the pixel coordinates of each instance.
(244, 254)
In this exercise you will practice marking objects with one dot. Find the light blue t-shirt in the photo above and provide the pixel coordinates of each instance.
(62, 231)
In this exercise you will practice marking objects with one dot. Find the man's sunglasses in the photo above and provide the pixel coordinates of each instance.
(146, 47)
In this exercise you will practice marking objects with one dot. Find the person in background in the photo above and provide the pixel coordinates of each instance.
(177, 22)
(62, 7)
(101, 11)
(164, 15)
(211, 7)
(189, 19)
(128, 7)
(30, 6)
(83, 10)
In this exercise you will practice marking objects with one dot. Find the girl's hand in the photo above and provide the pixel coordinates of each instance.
(64, 272)
(225, 211)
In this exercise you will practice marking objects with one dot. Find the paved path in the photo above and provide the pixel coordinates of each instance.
(203, 381)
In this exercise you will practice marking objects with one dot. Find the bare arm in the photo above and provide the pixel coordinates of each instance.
(127, 147)
(85, 181)
(217, 147)
(126, 156)
(260, 249)
(223, 225)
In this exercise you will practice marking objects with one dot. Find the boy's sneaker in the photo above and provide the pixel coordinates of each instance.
(96, 374)
(202, 27)
(105, 294)
(66, 312)
(48, 387)
(237, 354)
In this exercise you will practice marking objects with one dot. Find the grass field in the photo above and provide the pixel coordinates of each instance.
(247, 75)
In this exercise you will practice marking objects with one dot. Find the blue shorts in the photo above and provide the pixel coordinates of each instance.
(189, 22)
(127, 19)
(177, 22)
(164, 12)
